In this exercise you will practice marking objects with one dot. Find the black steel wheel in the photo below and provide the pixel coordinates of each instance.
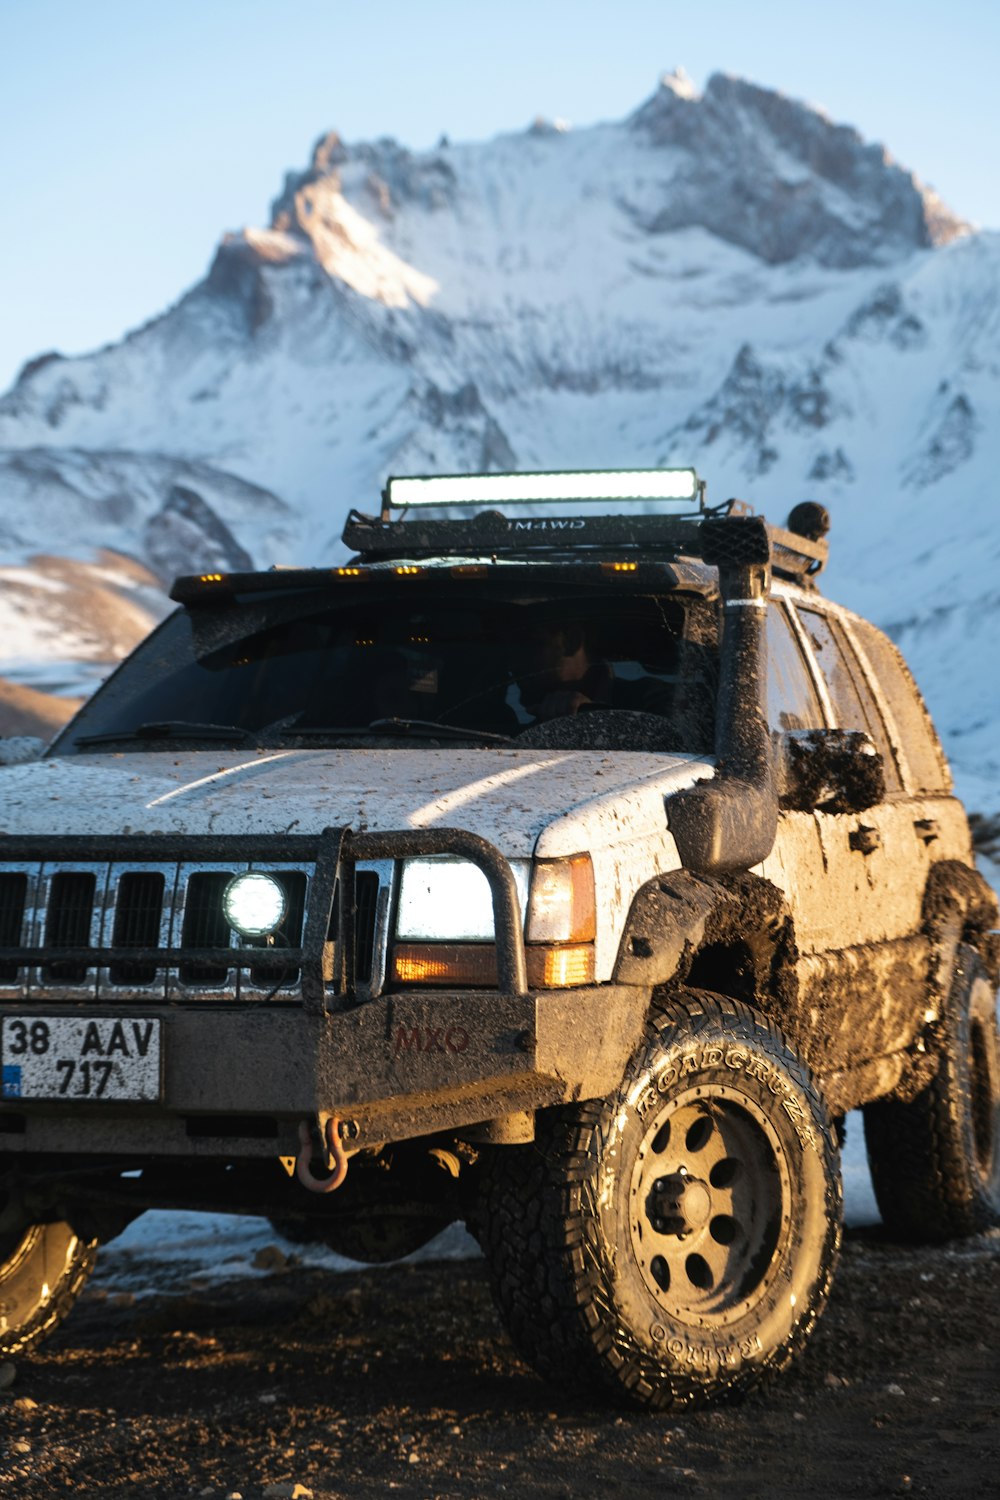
(936, 1161)
(43, 1269)
(677, 1240)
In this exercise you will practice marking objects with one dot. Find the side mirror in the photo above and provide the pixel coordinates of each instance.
(20, 748)
(828, 770)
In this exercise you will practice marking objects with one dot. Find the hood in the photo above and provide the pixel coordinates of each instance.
(523, 801)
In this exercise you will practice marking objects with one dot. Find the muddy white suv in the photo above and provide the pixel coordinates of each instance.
(570, 874)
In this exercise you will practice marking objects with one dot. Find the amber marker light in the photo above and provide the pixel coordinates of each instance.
(406, 570)
(619, 567)
(560, 967)
(210, 578)
(351, 572)
(474, 965)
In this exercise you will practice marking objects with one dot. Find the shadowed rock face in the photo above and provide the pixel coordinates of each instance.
(778, 178)
(186, 533)
(395, 176)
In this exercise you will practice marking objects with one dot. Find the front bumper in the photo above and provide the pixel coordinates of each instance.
(237, 1081)
(237, 1078)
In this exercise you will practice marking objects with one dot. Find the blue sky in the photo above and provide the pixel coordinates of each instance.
(133, 134)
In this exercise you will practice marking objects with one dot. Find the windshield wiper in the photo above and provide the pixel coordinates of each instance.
(170, 729)
(425, 729)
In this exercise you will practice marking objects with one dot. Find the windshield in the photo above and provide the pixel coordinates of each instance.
(436, 659)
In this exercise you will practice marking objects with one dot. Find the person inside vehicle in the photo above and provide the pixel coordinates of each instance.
(562, 675)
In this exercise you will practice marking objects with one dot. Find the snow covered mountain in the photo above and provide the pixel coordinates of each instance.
(726, 279)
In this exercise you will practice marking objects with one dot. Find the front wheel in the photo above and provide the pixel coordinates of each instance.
(43, 1269)
(677, 1240)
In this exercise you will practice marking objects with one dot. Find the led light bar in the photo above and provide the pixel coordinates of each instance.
(528, 489)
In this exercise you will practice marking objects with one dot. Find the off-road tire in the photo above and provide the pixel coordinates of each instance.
(42, 1272)
(935, 1162)
(671, 1296)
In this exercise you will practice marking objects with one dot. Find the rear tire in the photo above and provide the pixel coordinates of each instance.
(677, 1240)
(42, 1272)
(935, 1162)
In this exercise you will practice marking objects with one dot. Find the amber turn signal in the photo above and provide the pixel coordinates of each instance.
(455, 965)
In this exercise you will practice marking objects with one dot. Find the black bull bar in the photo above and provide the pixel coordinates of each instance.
(327, 965)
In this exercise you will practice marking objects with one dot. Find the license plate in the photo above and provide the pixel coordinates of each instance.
(80, 1057)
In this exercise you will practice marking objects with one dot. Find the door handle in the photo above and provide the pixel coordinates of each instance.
(927, 829)
(865, 840)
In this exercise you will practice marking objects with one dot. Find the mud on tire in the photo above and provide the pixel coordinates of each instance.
(677, 1240)
(42, 1272)
(935, 1162)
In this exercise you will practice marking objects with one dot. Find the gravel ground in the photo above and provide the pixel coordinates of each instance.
(353, 1384)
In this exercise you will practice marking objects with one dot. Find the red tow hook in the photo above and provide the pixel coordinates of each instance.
(336, 1157)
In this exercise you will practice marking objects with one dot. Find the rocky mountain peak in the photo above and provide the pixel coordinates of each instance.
(780, 178)
(679, 83)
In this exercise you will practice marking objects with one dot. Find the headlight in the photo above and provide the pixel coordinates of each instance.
(444, 900)
(445, 931)
(254, 904)
(562, 907)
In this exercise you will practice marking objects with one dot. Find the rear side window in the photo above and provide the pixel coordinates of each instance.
(792, 700)
(853, 703)
(921, 747)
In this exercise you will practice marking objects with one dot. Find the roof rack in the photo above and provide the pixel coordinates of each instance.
(672, 530)
(663, 536)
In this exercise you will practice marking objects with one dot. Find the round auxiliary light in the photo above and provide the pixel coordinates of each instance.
(254, 904)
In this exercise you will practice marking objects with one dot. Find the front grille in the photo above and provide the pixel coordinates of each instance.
(68, 921)
(366, 887)
(205, 925)
(13, 899)
(124, 908)
(138, 914)
(289, 934)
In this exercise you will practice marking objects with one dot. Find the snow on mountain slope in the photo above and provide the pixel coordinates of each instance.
(66, 621)
(162, 507)
(727, 279)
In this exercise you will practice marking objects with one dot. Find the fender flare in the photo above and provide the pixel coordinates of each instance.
(959, 906)
(674, 917)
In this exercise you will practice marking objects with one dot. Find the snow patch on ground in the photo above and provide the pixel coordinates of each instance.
(163, 1251)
